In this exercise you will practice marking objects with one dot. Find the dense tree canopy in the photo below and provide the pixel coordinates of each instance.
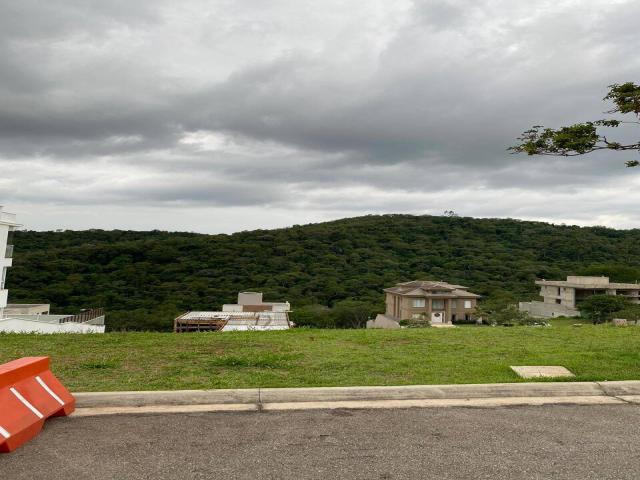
(144, 279)
(585, 137)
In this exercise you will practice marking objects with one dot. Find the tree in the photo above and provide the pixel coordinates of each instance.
(351, 314)
(600, 308)
(318, 316)
(583, 138)
(501, 313)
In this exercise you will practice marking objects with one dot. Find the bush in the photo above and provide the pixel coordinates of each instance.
(505, 314)
(344, 314)
(318, 316)
(415, 323)
(631, 313)
(600, 308)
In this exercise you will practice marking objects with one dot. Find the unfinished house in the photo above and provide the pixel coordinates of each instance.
(562, 298)
(252, 302)
(249, 314)
(440, 303)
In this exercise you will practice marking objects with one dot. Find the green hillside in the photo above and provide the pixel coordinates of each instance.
(144, 278)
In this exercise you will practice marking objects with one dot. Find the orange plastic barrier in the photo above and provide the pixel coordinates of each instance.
(29, 394)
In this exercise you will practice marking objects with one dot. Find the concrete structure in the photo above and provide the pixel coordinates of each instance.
(90, 321)
(231, 321)
(35, 318)
(249, 314)
(541, 371)
(252, 302)
(7, 226)
(382, 321)
(436, 302)
(563, 297)
(27, 309)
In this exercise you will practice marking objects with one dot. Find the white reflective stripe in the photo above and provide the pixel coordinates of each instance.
(26, 403)
(4, 433)
(49, 391)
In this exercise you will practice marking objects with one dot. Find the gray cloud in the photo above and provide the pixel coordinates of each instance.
(356, 108)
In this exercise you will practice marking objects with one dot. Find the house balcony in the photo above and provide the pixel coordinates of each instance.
(8, 218)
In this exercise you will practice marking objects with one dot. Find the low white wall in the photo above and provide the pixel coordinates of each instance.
(14, 325)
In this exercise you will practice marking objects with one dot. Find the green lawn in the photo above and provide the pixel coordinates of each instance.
(302, 357)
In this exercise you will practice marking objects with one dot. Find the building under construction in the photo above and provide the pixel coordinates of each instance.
(250, 313)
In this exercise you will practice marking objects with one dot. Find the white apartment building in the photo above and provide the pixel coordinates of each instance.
(7, 225)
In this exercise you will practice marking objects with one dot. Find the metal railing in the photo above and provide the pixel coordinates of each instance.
(84, 316)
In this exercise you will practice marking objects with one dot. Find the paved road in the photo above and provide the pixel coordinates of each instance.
(551, 442)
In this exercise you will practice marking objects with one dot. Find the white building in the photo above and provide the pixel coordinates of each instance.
(35, 318)
(563, 297)
(252, 302)
(7, 225)
(231, 321)
(249, 314)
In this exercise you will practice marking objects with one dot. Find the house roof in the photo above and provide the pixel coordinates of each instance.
(426, 288)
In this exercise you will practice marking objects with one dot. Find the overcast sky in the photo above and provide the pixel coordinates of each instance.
(219, 116)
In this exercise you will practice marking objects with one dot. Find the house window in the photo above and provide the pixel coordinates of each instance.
(437, 304)
(467, 304)
(558, 301)
(418, 302)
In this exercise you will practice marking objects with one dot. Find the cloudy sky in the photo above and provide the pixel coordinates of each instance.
(221, 115)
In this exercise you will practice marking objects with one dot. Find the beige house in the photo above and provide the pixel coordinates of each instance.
(437, 302)
(563, 297)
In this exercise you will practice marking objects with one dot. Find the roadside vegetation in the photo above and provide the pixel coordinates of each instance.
(332, 273)
(330, 357)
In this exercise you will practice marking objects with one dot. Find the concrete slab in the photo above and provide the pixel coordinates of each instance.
(162, 409)
(539, 371)
(171, 397)
(630, 398)
(619, 388)
(413, 392)
(446, 402)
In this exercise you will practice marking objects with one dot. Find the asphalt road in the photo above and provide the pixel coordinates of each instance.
(550, 442)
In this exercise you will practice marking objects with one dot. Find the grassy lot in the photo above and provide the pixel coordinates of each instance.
(302, 357)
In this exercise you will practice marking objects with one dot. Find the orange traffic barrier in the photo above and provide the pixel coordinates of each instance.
(29, 394)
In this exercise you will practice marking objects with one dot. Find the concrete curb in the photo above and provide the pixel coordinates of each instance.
(270, 398)
(170, 397)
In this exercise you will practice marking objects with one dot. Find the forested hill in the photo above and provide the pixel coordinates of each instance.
(145, 278)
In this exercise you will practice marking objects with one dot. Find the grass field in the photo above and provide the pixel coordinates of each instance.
(304, 357)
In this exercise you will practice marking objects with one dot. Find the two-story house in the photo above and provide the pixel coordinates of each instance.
(437, 302)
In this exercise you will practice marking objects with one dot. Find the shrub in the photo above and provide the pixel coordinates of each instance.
(600, 308)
